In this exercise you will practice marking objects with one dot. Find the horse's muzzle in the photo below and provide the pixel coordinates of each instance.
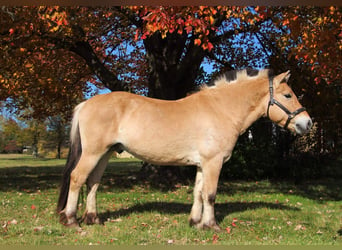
(303, 125)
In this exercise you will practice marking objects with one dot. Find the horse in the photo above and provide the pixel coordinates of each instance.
(199, 130)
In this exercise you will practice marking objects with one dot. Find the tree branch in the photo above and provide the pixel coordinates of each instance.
(84, 50)
(109, 80)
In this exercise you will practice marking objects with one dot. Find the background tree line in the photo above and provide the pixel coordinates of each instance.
(34, 137)
(50, 56)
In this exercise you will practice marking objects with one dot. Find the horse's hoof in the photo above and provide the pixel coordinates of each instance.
(91, 218)
(70, 222)
(216, 228)
(72, 225)
(211, 226)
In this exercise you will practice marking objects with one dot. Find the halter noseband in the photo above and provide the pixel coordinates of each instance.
(290, 115)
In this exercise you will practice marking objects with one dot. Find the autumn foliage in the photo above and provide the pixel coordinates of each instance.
(50, 54)
(315, 40)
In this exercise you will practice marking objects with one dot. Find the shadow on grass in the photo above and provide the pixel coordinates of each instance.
(125, 175)
(30, 179)
(222, 209)
(318, 190)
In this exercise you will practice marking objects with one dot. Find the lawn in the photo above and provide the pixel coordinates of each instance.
(137, 211)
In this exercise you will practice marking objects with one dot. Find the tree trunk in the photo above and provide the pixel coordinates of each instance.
(59, 147)
(174, 63)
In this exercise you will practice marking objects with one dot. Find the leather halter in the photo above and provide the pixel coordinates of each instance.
(290, 115)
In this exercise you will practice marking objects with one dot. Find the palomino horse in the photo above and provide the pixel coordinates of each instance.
(200, 129)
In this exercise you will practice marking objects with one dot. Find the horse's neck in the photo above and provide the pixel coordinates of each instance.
(249, 99)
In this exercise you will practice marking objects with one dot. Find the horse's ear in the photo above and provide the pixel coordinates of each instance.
(283, 77)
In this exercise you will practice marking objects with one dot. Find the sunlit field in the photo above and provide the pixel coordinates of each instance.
(139, 211)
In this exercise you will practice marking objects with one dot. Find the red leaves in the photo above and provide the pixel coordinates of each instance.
(195, 21)
(234, 222)
(197, 42)
(228, 230)
(215, 238)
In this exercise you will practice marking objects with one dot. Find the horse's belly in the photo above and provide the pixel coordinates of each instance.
(160, 155)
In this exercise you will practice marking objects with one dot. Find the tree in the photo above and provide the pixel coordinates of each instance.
(315, 40)
(10, 139)
(50, 54)
(138, 47)
(56, 137)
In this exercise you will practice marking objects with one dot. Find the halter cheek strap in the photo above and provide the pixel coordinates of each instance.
(290, 115)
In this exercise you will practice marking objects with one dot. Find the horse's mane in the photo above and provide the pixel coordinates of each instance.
(235, 76)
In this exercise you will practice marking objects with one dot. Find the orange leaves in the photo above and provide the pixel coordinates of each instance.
(314, 40)
(200, 23)
(228, 230)
(28, 65)
(194, 21)
(198, 42)
(43, 81)
(55, 16)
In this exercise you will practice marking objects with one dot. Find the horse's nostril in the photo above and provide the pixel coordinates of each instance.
(303, 125)
(299, 125)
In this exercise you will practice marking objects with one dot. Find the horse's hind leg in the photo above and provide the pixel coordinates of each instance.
(78, 177)
(93, 182)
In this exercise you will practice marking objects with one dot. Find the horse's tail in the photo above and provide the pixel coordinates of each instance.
(74, 155)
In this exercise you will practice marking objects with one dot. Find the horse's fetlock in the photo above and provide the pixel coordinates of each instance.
(194, 222)
(91, 218)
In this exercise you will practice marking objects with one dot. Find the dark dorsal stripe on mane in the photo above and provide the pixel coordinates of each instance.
(232, 74)
(235, 75)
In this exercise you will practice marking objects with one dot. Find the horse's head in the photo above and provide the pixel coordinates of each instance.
(284, 108)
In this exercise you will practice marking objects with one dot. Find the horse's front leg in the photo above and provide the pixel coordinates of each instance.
(197, 207)
(211, 172)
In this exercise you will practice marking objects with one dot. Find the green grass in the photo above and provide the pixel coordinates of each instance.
(137, 212)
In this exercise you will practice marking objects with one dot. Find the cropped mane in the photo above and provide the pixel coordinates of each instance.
(235, 76)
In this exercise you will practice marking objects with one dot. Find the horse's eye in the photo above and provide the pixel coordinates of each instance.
(288, 96)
